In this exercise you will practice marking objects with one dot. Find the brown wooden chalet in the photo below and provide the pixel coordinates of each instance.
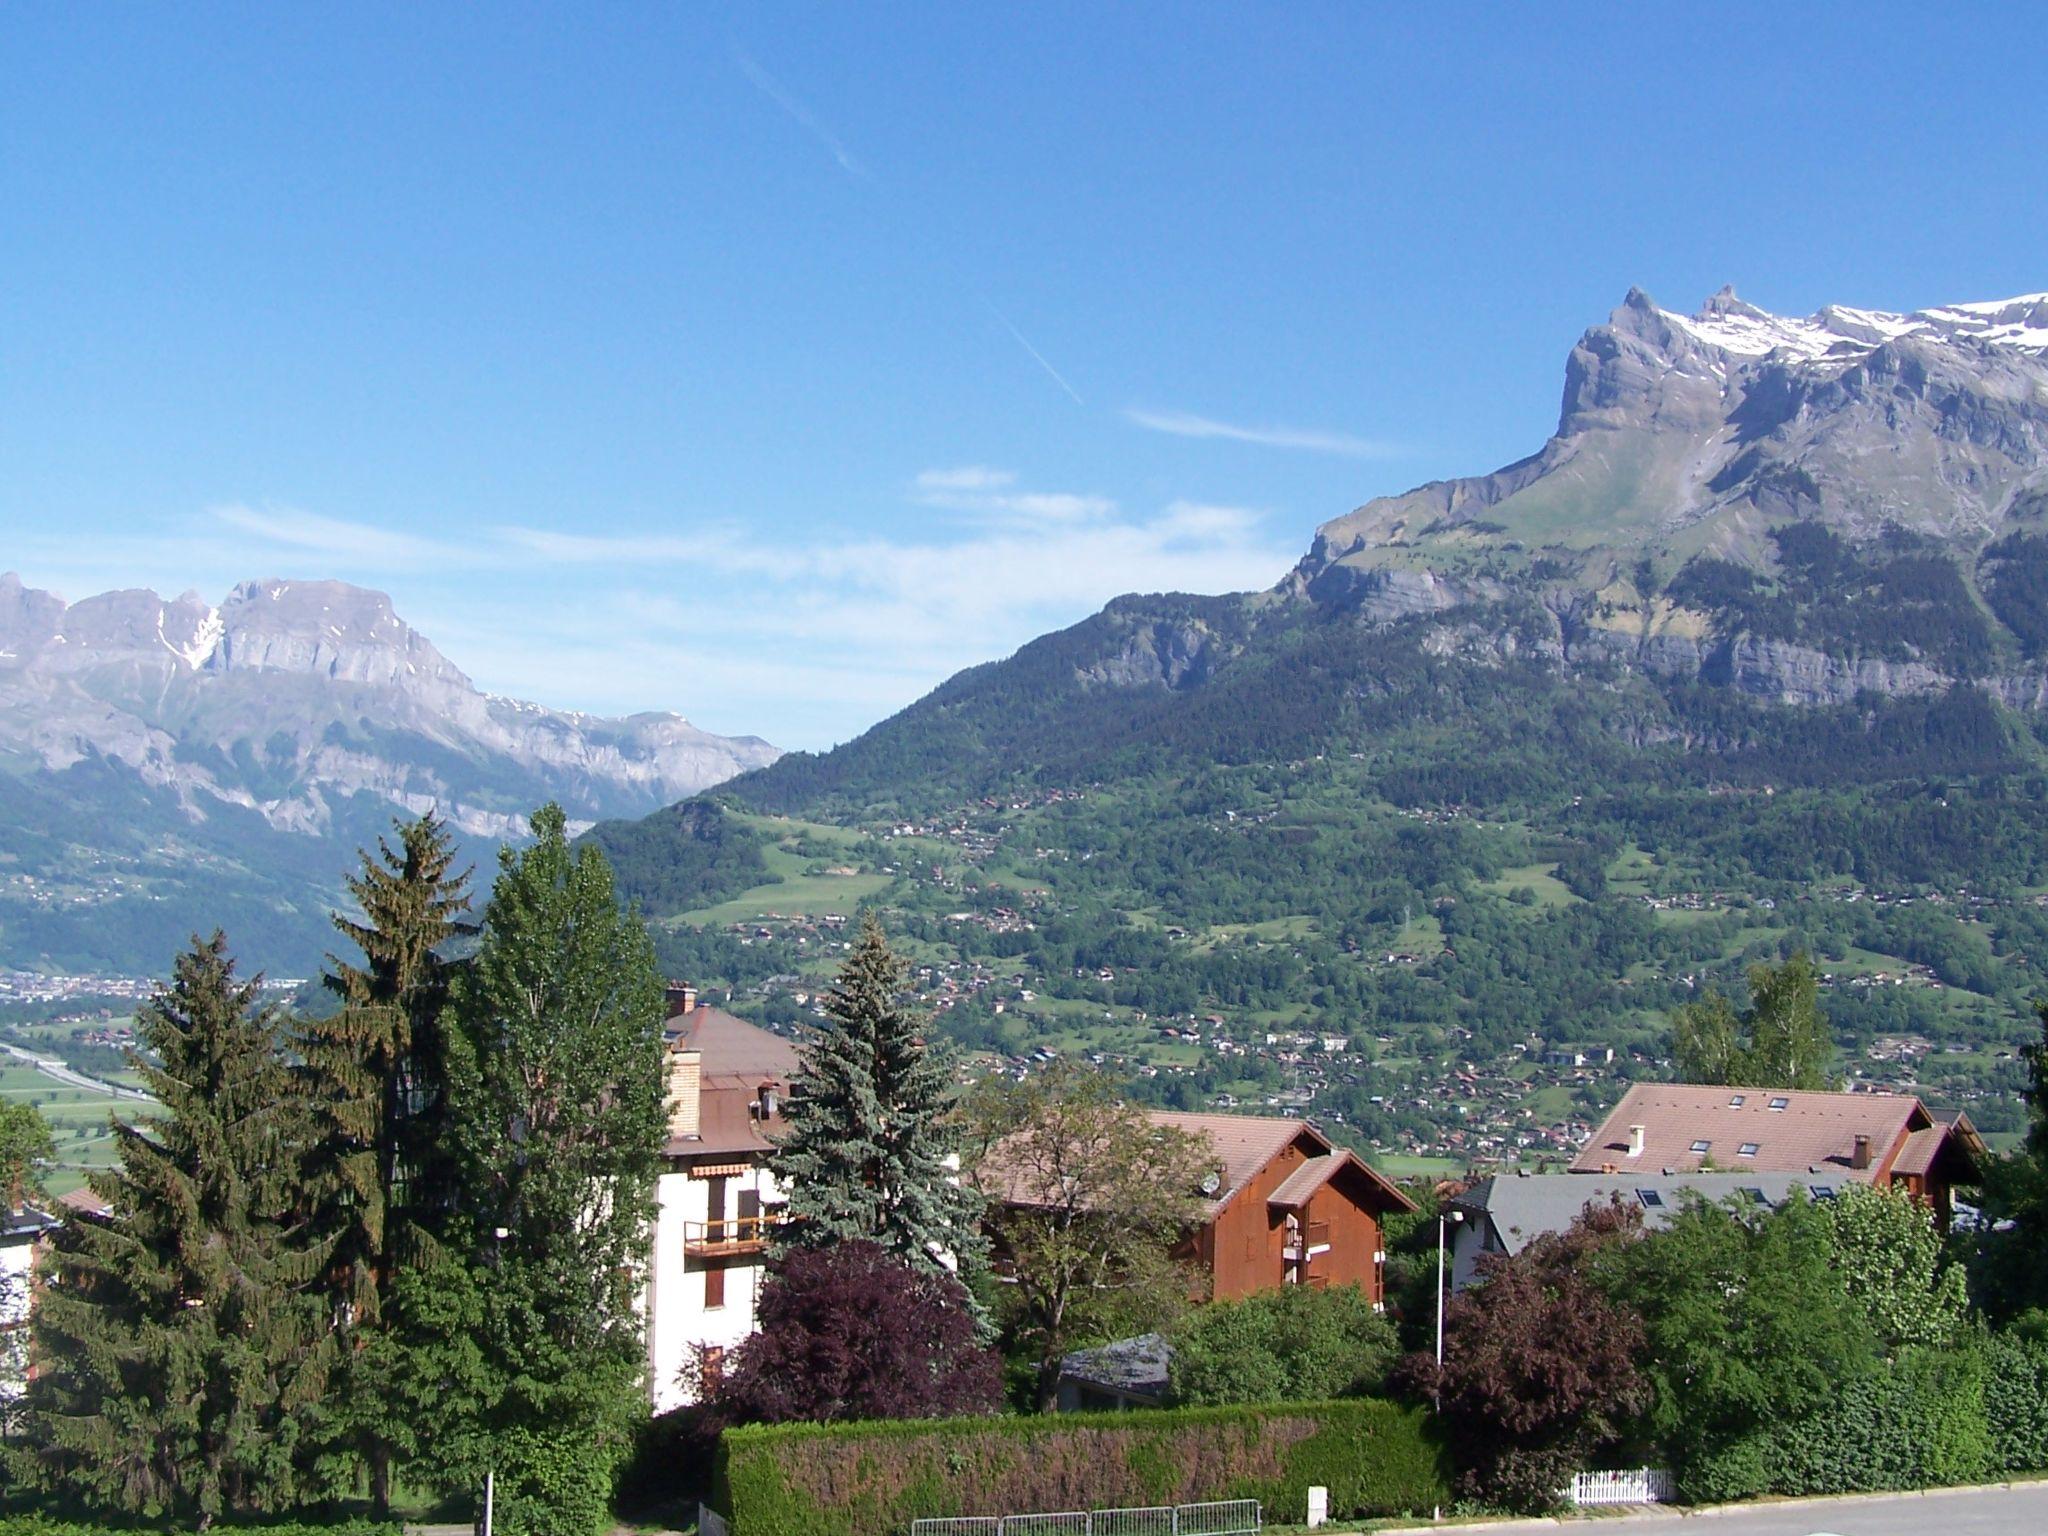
(1892, 1141)
(1286, 1207)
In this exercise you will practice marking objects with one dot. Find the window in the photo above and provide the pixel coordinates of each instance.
(714, 1287)
(1650, 1198)
(1754, 1195)
(1823, 1191)
(713, 1366)
(1735, 1101)
(1779, 1103)
(1700, 1147)
(1747, 1149)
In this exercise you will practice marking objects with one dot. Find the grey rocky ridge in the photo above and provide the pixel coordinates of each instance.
(144, 739)
(1712, 473)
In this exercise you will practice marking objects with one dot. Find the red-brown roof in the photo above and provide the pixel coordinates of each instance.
(1244, 1143)
(84, 1202)
(731, 1047)
(1807, 1130)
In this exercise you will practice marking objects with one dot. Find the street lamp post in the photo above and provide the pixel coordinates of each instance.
(1444, 1220)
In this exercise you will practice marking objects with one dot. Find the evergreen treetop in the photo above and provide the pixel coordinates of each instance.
(869, 1152)
(375, 1074)
(183, 1345)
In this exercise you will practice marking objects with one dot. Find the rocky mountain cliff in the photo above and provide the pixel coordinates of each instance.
(1737, 512)
(1709, 472)
(289, 695)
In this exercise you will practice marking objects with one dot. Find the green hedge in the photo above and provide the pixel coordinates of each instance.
(873, 1479)
(1924, 1422)
(43, 1525)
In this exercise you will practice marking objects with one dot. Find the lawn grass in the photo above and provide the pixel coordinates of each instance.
(78, 1122)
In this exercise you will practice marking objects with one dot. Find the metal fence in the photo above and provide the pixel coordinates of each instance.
(1639, 1485)
(1232, 1517)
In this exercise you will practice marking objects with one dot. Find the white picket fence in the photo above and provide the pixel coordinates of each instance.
(1639, 1485)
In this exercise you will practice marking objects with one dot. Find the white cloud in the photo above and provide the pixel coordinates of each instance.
(354, 544)
(1308, 439)
(803, 641)
(989, 492)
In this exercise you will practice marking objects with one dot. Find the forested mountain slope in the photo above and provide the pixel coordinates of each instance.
(1748, 656)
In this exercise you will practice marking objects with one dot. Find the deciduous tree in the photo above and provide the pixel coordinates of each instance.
(1541, 1369)
(1780, 1041)
(1090, 1200)
(1294, 1344)
(854, 1332)
(1888, 1257)
(555, 1111)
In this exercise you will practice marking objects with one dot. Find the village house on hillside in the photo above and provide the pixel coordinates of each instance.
(1892, 1141)
(1283, 1207)
(727, 1084)
(1506, 1213)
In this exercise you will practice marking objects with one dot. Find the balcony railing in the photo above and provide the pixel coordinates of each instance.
(1304, 1243)
(734, 1234)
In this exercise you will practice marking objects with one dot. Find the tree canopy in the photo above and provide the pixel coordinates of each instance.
(1780, 1041)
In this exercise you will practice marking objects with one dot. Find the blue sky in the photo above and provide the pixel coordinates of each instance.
(772, 364)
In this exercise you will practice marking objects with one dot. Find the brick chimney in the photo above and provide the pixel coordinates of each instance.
(1860, 1158)
(682, 998)
(1635, 1141)
(685, 1092)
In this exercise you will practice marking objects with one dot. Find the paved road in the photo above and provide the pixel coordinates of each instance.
(50, 1066)
(2017, 1511)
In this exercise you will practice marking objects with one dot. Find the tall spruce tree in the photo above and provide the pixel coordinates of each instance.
(184, 1347)
(375, 1072)
(557, 1116)
(869, 1150)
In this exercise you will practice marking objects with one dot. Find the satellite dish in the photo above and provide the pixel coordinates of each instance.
(1211, 1182)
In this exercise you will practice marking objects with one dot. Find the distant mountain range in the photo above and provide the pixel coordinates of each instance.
(1819, 511)
(153, 746)
(1750, 656)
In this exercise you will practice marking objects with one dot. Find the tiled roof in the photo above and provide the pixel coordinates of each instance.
(730, 1122)
(1243, 1143)
(25, 1221)
(731, 1047)
(1805, 1131)
(1298, 1186)
(84, 1202)
(1921, 1149)
(1525, 1206)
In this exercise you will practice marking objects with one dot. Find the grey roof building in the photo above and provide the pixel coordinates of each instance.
(1506, 1213)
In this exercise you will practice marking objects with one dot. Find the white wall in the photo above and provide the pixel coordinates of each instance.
(17, 1298)
(678, 1323)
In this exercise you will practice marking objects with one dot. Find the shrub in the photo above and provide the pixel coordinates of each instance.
(2016, 1402)
(1920, 1423)
(1375, 1457)
(1295, 1344)
(853, 1332)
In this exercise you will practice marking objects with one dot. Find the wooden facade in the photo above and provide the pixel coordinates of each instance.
(1259, 1238)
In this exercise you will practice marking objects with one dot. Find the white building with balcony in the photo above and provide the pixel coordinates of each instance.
(727, 1083)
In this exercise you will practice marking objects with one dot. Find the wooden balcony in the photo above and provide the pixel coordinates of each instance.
(733, 1235)
(1305, 1242)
